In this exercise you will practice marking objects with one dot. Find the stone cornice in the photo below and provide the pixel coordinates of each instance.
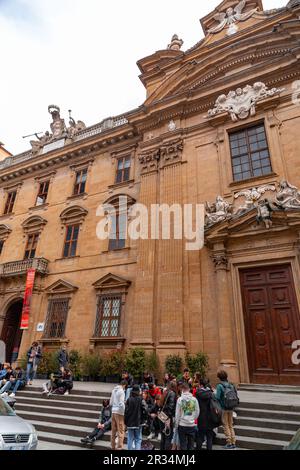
(72, 154)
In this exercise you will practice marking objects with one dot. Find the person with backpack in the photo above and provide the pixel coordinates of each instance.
(206, 422)
(227, 396)
(136, 414)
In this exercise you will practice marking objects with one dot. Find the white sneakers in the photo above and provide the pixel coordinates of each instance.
(12, 395)
(4, 395)
(66, 393)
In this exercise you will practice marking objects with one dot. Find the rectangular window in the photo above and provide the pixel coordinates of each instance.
(10, 202)
(250, 153)
(108, 317)
(56, 318)
(117, 237)
(80, 183)
(43, 193)
(123, 169)
(1, 246)
(31, 246)
(72, 234)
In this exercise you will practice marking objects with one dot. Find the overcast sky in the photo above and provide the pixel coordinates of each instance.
(81, 55)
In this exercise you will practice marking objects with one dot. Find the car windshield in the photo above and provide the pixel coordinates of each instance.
(5, 409)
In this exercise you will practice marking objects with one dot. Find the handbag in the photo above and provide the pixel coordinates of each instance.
(165, 419)
(162, 415)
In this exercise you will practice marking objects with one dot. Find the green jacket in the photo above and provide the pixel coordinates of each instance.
(220, 394)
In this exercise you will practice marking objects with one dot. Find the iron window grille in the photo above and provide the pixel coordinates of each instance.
(108, 316)
(56, 318)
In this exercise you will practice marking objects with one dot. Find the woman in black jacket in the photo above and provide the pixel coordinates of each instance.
(168, 406)
(136, 414)
(206, 426)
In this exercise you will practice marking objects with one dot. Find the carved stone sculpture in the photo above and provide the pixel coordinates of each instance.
(288, 196)
(176, 43)
(264, 212)
(218, 211)
(58, 128)
(252, 196)
(239, 104)
(231, 17)
(38, 144)
(75, 127)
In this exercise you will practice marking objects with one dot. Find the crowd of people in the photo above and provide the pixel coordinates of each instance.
(183, 414)
(14, 379)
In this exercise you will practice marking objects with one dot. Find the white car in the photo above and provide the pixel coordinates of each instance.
(15, 432)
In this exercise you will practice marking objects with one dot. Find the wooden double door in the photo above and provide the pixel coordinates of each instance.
(272, 324)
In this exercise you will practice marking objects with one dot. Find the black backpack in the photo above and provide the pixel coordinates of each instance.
(215, 411)
(231, 399)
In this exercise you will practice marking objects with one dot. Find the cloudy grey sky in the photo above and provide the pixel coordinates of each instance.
(81, 55)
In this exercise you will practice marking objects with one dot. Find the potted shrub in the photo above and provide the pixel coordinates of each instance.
(174, 364)
(91, 366)
(75, 364)
(197, 363)
(113, 365)
(48, 365)
(152, 364)
(135, 362)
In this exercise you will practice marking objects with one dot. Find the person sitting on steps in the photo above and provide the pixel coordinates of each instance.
(103, 426)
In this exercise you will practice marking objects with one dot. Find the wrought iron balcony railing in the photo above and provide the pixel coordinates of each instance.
(17, 268)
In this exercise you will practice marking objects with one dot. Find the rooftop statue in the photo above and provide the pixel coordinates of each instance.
(231, 17)
(176, 43)
(58, 128)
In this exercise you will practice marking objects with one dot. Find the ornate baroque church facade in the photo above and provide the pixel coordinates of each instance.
(220, 127)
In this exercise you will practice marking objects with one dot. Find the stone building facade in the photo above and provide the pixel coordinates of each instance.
(220, 127)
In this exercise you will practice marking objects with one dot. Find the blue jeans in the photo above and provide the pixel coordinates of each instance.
(9, 385)
(135, 436)
(31, 372)
(6, 387)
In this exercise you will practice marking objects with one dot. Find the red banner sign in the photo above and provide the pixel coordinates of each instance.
(27, 299)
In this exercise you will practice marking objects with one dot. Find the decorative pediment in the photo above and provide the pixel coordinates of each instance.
(208, 68)
(61, 287)
(112, 282)
(5, 231)
(228, 16)
(249, 224)
(73, 215)
(34, 224)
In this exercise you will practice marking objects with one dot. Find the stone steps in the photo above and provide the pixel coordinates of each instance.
(64, 420)
(284, 389)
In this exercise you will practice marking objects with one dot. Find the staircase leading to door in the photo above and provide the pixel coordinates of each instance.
(64, 420)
